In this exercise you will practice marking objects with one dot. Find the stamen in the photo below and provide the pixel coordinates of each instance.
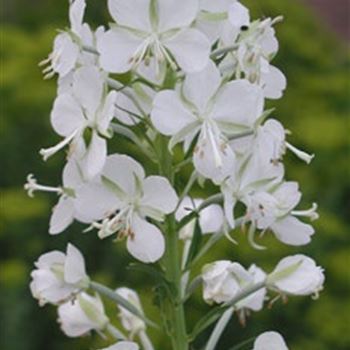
(31, 186)
(311, 213)
(301, 154)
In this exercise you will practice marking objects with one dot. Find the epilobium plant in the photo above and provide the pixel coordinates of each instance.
(193, 104)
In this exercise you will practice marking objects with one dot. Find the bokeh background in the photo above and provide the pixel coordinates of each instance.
(314, 55)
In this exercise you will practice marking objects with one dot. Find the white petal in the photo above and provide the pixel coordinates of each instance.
(200, 87)
(88, 88)
(274, 83)
(240, 102)
(173, 14)
(169, 115)
(76, 15)
(95, 157)
(67, 116)
(229, 205)
(288, 195)
(211, 219)
(292, 231)
(269, 43)
(122, 170)
(107, 113)
(270, 341)
(239, 15)
(62, 216)
(65, 53)
(148, 244)
(159, 194)
(94, 202)
(123, 345)
(72, 174)
(46, 260)
(190, 48)
(117, 47)
(131, 13)
(74, 267)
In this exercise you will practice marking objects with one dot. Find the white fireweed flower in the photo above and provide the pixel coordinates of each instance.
(255, 46)
(297, 275)
(270, 341)
(130, 322)
(85, 314)
(64, 212)
(87, 108)
(213, 20)
(275, 211)
(222, 280)
(133, 103)
(206, 106)
(123, 201)
(59, 277)
(153, 28)
(68, 51)
(123, 345)
(211, 219)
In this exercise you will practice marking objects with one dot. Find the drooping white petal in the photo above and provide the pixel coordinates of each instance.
(273, 82)
(132, 13)
(107, 113)
(94, 202)
(76, 15)
(190, 48)
(122, 169)
(117, 47)
(147, 244)
(88, 88)
(159, 194)
(67, 116)
(74, 267)
(72, 174)
(239, 103)
(239, 15)
(95, 156)
(270, 341)
(292, 231)
(213, 157)
(62, 215)
(200, 87)
(123, 345)
(169, 115)
(229, 205)
(174, 15)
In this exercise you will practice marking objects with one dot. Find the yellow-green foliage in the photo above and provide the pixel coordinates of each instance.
(315, 108)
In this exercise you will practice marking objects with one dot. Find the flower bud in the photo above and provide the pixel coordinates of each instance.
(59, 277)
(82, 315)
(270, 341)
(297, 275)
(130, 322)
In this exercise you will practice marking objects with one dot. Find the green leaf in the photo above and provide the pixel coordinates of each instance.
(195, 243)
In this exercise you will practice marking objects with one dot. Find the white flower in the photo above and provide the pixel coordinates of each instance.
(270, 341)
(130, 322)
(222, 280)
(123, 201)
(159, 29)
(59, 277)
(64, 211)
(297, 275)
(213, 20)
(211, 109)
(123, 345)
(83, 315)
(67, 51)
(87, 108)
(211, 219)
(274, 211)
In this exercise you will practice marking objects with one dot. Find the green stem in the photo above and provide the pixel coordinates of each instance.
(172, 259)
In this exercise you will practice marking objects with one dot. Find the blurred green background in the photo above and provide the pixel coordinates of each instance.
(315, 108)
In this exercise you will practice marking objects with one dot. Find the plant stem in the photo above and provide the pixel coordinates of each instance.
(172, 259)
(115, 332)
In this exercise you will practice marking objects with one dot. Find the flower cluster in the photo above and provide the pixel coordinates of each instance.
(199, 75)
